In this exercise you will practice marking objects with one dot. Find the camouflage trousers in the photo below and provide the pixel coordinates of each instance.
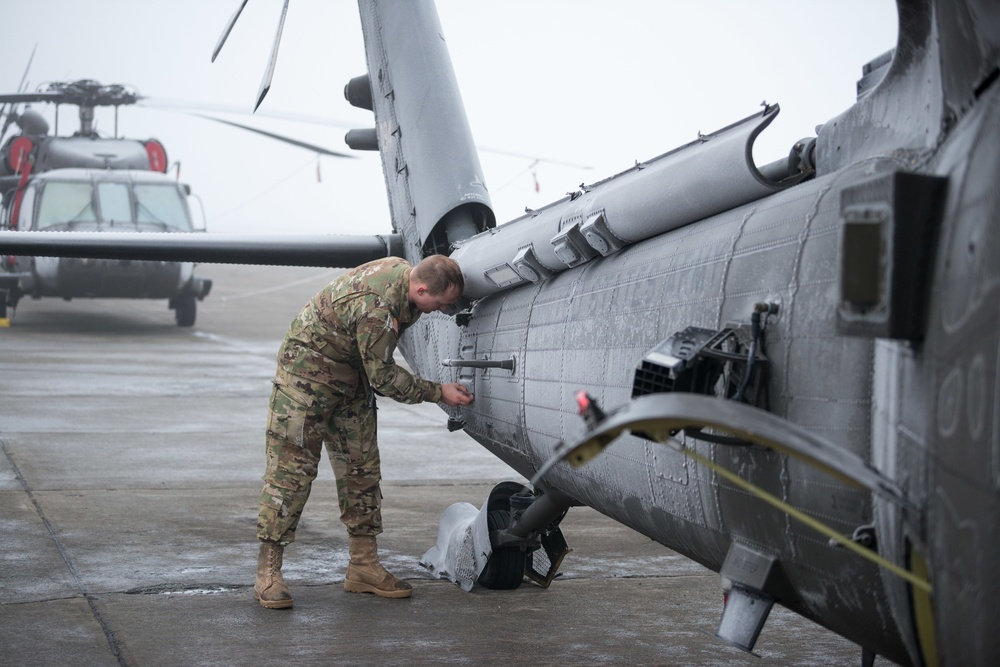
(304, 416)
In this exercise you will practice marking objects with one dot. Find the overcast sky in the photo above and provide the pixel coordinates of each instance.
(598, 84)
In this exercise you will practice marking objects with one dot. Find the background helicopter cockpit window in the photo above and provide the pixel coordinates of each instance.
(161, 204)
(62, 203)
(114, 202)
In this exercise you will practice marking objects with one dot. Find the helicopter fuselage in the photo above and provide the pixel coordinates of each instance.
(878, 279)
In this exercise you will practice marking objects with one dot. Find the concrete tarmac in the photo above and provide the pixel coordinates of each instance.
(132, 451)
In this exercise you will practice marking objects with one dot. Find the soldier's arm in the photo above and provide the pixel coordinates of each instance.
(377, 337)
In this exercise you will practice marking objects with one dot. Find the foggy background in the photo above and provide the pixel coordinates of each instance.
(572, 84)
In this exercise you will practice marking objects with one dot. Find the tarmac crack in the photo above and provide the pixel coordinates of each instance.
(108, 634)
(14, 603)
(186, 589)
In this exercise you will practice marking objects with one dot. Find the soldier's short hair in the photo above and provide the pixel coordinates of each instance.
(439, 273)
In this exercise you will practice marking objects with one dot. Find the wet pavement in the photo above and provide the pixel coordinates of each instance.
(131, 459)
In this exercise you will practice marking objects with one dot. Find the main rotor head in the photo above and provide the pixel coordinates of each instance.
(90, 93)
(85, 93)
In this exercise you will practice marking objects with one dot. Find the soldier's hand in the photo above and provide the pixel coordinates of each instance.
(455, 394)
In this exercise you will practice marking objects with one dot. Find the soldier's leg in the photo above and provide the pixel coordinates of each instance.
(352, 446)
(296, 427)
(353, 450)
(297, 424)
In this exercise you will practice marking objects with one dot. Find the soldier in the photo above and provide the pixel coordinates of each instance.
(337, 353)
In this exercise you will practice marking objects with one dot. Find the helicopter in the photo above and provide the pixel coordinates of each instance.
(786, 372)
(86, 182)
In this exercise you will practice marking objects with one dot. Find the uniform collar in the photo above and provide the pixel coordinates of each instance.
(407, 311)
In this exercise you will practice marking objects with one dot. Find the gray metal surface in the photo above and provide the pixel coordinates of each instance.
(713, 174)
(430, 162)
(586, 328)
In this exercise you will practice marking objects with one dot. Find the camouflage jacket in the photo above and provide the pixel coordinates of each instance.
(346, 335)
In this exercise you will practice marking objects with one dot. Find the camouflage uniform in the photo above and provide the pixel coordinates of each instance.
(336, 351)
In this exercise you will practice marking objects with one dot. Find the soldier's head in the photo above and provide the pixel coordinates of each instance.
(436, 283)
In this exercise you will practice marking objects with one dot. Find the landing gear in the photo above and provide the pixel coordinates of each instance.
(505, 568)
(4, 320)
(185, 304)
(185, 309)
(10, 294)
(525, 536)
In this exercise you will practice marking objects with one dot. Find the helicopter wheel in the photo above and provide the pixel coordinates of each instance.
(505, 568)
(185, 310)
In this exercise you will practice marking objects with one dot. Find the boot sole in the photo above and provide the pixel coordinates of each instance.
(355, 587)
(273, 604)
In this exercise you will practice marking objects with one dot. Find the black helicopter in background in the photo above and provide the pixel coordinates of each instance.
(88, 183)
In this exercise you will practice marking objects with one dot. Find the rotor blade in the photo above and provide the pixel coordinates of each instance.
(186, 105)
(265, 85)
(190, 106)
(320, 250)
(228, 29)
(272, 135)
(7, 121)
(48, 96)
(525, 156)
(24, 77)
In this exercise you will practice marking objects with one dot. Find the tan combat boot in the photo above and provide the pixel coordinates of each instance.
(270, 589)
(365, 573)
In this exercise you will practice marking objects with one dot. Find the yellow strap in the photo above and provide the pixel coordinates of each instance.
(815, 524)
